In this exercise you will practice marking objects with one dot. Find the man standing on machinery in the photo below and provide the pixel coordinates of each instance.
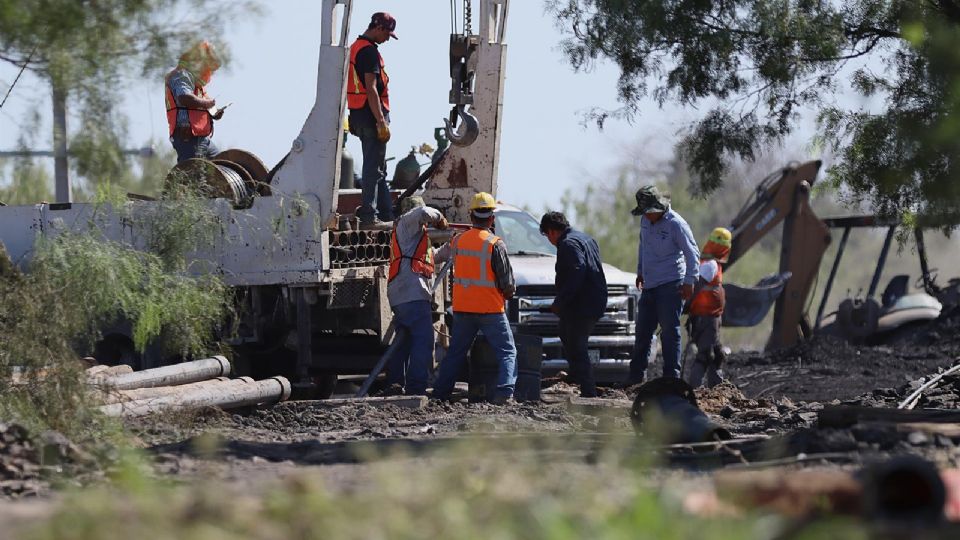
(368, 98)
(190, 113)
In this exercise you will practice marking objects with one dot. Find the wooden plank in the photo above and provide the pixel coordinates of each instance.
(841, 416)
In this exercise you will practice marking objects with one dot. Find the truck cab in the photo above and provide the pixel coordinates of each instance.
(533, 259)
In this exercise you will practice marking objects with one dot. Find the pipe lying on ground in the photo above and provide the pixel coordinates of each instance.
(185, 373)
(671, 405)
(118, 396)
(904, 489)
(225, 396)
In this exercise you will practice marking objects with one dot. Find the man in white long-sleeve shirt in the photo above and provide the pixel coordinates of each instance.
(409, 286)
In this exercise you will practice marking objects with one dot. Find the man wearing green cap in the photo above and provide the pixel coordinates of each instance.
(409, 289)
(667, 267)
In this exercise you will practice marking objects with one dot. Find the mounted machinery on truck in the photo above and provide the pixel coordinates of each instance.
(311, 286)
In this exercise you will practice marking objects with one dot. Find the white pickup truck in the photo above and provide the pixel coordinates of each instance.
(533, 258)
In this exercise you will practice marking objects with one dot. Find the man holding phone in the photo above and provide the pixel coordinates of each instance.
(190, 111)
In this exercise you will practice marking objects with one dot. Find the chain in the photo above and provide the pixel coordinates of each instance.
(467, 17)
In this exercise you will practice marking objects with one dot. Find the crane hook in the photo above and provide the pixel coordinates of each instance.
(470, 131)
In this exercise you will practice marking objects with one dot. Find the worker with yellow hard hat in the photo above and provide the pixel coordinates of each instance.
(482, 283)
(706, 309)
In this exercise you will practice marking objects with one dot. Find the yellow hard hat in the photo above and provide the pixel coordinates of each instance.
(482, 204)
(721, 236)
(718, 245)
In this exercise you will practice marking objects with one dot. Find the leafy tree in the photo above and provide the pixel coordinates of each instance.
(756, 64)
(86, 49)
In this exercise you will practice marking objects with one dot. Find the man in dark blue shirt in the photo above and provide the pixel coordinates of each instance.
(581, 294)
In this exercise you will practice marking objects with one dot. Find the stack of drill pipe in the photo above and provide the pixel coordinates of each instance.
(177, 374)
(225, 395)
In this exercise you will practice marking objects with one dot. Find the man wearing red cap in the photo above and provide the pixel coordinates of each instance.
(368, 98)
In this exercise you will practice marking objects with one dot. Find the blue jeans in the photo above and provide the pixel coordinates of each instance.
(194, 147)
(373, 177)
(575, 336)
(496, 330)
(410, 364)
(661, 306)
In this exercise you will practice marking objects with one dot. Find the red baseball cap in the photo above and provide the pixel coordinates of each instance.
(386, 21)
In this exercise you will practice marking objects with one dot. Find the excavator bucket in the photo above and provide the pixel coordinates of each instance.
(747, 306)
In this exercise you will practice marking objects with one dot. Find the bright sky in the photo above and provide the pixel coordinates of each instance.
(272, 80)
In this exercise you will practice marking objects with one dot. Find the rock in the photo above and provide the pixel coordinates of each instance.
(728, 411)
(918, 438)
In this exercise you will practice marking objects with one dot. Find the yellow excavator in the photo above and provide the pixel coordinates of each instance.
(784, 197)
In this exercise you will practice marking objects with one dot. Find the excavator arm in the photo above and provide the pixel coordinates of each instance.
(784, 197)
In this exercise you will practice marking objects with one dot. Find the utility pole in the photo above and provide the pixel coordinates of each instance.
(60, 168)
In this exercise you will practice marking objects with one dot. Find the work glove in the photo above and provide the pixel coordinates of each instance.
(383, 132)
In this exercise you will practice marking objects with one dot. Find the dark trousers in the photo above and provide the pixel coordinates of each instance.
(659, 306)
(705, 334)
(194, 147)
(575, 336)
(375, 196)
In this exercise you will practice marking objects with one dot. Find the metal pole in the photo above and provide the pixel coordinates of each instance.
(61, 173)
(304, 338)
(882, 261)
(833, 274)
(928, 284)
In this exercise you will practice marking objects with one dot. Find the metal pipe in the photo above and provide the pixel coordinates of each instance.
(185, 373)
(833, 274)
(226, 396)
(882, 261)
(117, 396)
(911, 400)
(904, 489)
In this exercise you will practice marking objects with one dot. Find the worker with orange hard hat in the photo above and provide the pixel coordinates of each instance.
(706, 309)
(482, 283)
(190, 111)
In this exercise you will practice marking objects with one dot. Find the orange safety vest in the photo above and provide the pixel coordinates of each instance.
(710, 299)
(356, 89)
(474, 284)
(201, 123)
(420, 263)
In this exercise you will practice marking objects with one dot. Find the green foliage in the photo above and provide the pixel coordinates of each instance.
(755, 65)
(88, 50)
(466, 493)
(79, 282)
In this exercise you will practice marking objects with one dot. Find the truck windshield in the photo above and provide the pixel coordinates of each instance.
(521, 234)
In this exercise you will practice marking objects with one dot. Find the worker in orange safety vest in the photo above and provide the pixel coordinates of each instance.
(482, 283)
(368, 99)
(410, 291)
(706, 310)
(190, 111)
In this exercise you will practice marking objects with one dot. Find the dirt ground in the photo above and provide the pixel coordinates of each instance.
(770, 405)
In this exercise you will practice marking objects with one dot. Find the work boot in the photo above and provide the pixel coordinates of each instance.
(501, 399)
(375, 225)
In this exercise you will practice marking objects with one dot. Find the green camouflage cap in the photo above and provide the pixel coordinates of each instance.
(410, 203)
(649, 199)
